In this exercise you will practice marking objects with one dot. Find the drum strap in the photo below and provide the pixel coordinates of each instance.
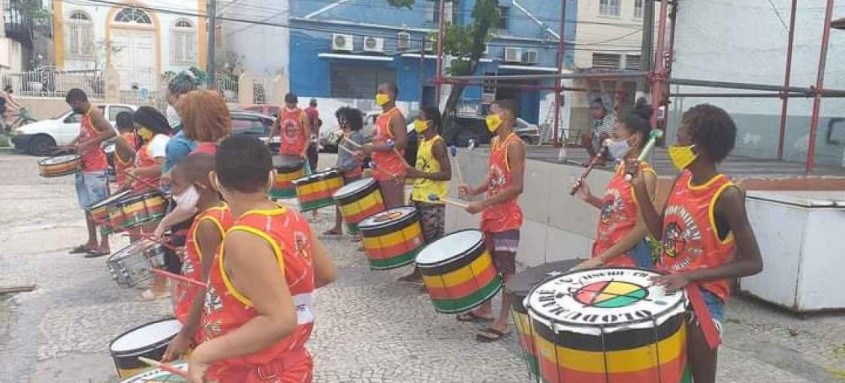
(711, 334)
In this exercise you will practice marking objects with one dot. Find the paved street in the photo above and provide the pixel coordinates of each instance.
(369, 328)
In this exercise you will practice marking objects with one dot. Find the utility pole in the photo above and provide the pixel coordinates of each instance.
(422, 70)
(212, 43)
(647, 47)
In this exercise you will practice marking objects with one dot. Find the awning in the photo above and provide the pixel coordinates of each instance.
(527, 68)
(354, 57)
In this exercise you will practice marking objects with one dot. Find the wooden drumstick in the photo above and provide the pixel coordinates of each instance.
(434, 198)
(655, 135)
(345, 149)
(592, 164)
(355, 144)
(392, 144)
(164, 366)
(145, 182)
(453, 150)
(180, 278)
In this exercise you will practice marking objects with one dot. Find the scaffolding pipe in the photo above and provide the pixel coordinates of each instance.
(787, 78)
(737, 85)
(658, 75)
(584, 75)
(559, 82)
(817, 100)
(742, 95)
(438, 70)
(510, 86)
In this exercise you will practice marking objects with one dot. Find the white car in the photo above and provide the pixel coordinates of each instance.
(39, 138)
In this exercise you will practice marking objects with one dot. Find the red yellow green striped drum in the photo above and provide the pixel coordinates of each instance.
(141, 209)
(357, 201)
(288, 168)
(518, 287)
(149, 340)
(100, 211)
(608, 326)
(458, 272)
(157, 375)
(316, 190)
(59, 165)
(392, 238)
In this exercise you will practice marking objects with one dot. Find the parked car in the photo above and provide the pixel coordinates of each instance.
(329, 139)
(462, 129)
(254, 125)
(39, 138)
(265, 109)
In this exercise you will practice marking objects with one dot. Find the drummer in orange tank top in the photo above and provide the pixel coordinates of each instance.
(501, 215)
(259, 308)
(620, 236)
(389, 139)
(706, 237)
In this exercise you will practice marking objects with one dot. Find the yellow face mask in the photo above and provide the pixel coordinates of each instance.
(382, 99)
(420, 126)
(682, 156)
(145, 133)
(493, 122)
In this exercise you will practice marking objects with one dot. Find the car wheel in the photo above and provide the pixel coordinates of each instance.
(41, 145)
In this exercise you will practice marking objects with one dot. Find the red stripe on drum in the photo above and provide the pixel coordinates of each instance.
(396, 250)
(315, 196)
(464, 289)
(670, 371)
(362, 215)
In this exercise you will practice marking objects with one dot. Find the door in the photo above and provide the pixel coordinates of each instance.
(133, 57)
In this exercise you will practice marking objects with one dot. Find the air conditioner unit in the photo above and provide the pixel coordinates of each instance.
(341, 42)
(373, 44)
(530, 56)
(403, 41)
(513, 55)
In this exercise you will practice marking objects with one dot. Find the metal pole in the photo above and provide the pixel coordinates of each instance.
(438, 75)
(659, 74)
(740, 95)
(647, 46)
(604, 75)
(738, 85)
(513, 86)
(212, 43)
(560, 61)
(422, 70)
(786, 79)
(817, 100)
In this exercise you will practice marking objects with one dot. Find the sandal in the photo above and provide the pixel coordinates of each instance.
(490, 335)
(96, 253)
(81, 249)
(149, 295)
(471, 316)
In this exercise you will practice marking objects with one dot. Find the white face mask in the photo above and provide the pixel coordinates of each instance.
(618, 149)
(173, 118)
(188, 199)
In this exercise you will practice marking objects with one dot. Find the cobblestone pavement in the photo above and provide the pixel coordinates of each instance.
(369, 328)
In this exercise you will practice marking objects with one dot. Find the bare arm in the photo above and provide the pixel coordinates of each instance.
(273, 130)
(123, 150)
(209, 239)
(325, 271)
(441, 154)
(516, 162)
(400, 135)
(99, 122)
(150, 171)
(652, 219)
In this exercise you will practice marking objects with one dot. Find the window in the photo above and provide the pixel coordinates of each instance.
(504, 12)
(183, 43)
(358, 81)
(133, 15)
(609, 7)
(632, 62)
(606, 61)
(638, 9)
(115, 110)
(80, 36)
(432, 14)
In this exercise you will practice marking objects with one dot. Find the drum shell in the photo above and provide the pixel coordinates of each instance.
(141, 209)
(71, 166)
(316, 191)
(359, 204)
(288, 169)
(131, 265)
(126, 362)
(392, 244)
(100, 211)
(157, 375)
(462, 282)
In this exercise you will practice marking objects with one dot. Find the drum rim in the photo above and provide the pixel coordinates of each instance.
(117, 197)
(369, 183)
(475, 251)
(316, 177)
(389, 224)
(532, 312)
(137, 244)
(518, 303)
(152, 373)
(71, 158)
(145, 348)
(299, 164)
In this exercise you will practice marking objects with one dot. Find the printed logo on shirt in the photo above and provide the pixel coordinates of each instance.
(681, 236)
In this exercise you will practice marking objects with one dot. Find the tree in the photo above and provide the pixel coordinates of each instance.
(465, 43)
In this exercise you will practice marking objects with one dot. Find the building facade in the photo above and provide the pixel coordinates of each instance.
(141, 39)
(259, 49)
(341, 50)
(16, 41)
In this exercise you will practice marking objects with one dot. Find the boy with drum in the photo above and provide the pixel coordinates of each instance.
(191, 177)
(260, 300)
(704, 229)
(431, 179)
(501, 215)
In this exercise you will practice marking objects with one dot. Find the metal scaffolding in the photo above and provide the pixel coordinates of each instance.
(659, 76)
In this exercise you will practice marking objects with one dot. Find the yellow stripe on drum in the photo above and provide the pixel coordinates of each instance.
(461, 275)
(522, 322)
(599, 362)
(317, 187)
(123, 373)
(394, 238)
(362, 204)
(290, 176)
(135, 207)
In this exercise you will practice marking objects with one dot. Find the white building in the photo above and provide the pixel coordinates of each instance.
(140, 39)
(11, 48)
(261, 50)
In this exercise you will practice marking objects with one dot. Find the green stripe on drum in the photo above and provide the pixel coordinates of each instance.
(283, 193)
(318, 204)
(392, 263)
(533, 366)
(451, 306)
(352, 228)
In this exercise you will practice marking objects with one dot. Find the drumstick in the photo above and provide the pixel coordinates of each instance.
(180, 278)
(434, 198)
(142, 235)
(453, 150)
(164, 366)
(355, 144)
(392, 144)
(592, 164)
(145, 182)
(391, 174)
(345, 149)
(655, 135)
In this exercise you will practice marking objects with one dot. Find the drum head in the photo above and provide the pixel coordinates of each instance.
(611, 299)
(450, 247)
(387, 217)
(110, 199)
(522, 283)
(145, 336)
(287, 161)
(59, 159)
(159, 376)
(354, 187)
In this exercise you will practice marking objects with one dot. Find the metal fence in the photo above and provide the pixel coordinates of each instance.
(52, 83)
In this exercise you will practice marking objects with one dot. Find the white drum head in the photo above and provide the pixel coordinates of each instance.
(612, 299)
(354, 187)
(147, 335)
(388, 216)
(449, 247)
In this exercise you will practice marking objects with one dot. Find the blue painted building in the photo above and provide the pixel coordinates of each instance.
(341, 49)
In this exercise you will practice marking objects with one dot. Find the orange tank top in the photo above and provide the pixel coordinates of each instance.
(119, 164)
(507, 215)
(690, 237)
(388, 164)
(619, 212)
(94, 159)
(144, 159)
(288, 233)
(294, 137)
(184, 293)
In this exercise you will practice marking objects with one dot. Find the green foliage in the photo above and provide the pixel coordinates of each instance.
(35, 11)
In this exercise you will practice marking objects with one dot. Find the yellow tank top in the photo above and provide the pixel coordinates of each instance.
(427, 163)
